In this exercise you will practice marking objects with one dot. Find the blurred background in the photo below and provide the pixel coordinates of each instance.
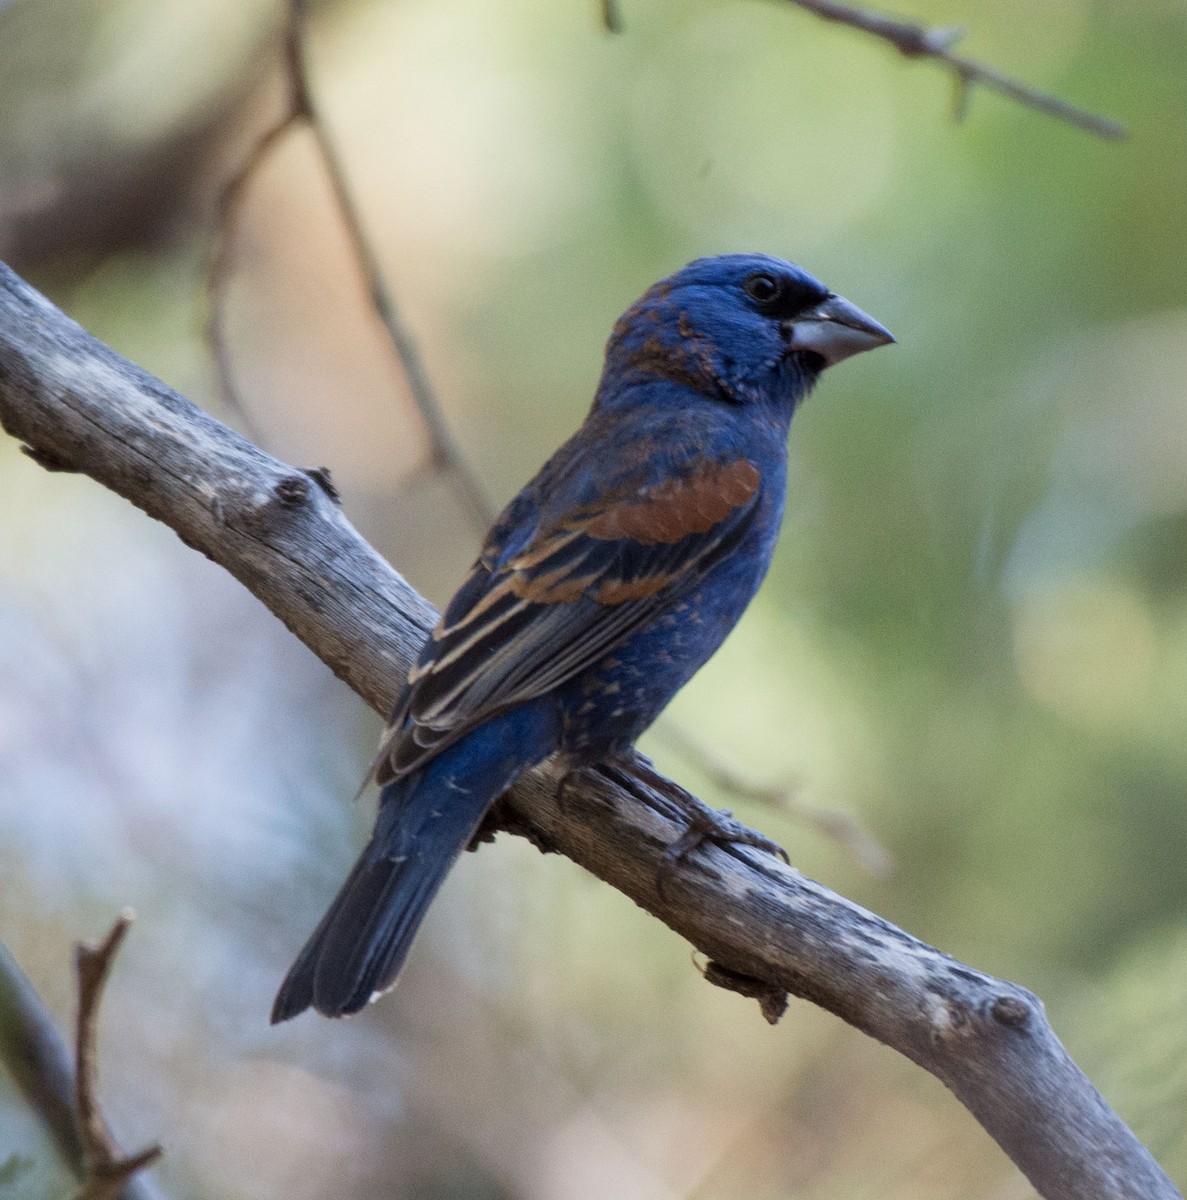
(973, 639)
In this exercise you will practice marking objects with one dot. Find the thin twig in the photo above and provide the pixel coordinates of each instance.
(611, 17)
(920, 41)
(840, 827)
(444, 454)
(229, 204)
(107, 1168)
(40, 1062)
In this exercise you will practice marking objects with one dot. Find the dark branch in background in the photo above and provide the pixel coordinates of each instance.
(765, 929)
(918, 41)
(230, 202)
(444, 454)
(107, 1169)
(39, 1060)
(610, 16)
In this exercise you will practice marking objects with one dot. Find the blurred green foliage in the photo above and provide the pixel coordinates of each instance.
(974, 637)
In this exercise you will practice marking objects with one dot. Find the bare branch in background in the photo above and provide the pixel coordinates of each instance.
(936, 42)
(108, 1169)
(764, 928)
(444, 453)
(230, 202)
(40, 1063)
(920, 41)
(609, 15)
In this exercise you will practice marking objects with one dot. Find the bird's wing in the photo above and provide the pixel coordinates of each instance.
(535, 612)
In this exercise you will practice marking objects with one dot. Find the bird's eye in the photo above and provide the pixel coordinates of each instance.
(764, 288)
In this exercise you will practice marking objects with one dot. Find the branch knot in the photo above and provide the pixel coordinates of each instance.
(1011, 1011)
(292, 491)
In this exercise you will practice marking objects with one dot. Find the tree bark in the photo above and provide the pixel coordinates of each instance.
(767, 930)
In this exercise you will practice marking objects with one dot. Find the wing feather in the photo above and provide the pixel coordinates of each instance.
(531, 616)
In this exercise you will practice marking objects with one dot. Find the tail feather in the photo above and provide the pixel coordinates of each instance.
(425, 821)
(363, 940)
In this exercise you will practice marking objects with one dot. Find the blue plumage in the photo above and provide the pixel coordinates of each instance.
(601, 589)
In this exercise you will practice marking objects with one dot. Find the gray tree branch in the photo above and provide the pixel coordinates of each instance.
(37, 1057)
(767, 930)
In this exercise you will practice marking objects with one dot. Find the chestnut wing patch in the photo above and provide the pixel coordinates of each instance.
(517, 629)
(679, 507)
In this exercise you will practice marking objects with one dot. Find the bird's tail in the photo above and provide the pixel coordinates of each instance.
(425, 821)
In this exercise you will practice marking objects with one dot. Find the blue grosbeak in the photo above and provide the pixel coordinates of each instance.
(599, 591)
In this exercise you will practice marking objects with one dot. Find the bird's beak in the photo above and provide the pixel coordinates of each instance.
(835, 329)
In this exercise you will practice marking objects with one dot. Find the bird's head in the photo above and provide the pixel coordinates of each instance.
(746, 328)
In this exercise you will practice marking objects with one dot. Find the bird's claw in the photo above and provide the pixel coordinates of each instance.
(720, 828)
(565, 786)
(705, 824)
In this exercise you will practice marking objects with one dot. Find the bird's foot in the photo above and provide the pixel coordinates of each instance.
(705, 824)
(565, 784)
(720, 828)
